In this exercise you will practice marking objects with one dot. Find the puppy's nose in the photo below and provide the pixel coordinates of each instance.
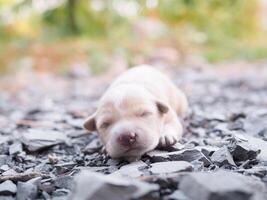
(127, 139)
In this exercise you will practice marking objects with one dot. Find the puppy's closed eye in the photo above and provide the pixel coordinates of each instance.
(144, 113)
(105, 124)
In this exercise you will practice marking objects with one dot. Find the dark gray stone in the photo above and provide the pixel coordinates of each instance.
(191, 155)
(3, 159)
(133, 169)
(263, 133)
(93, 146)
(15, 148)
(259, 171)
(45, 195)
(6, 197)
(236, 116)
(64, 167)
(38, 139)
(9, 172)
(170, 167)
(76, 123)
(3, 139)
(236, 125)
(4, 168)
(46, 187)
(177, 195)
(8, 188)
(64, 182)
(259, 144)
(241, 150)
(222, 157)
(61, 194)
(221, 185)
(207, 150)
(26, 191)
(35, 181)
(109, 187)
(188, 155)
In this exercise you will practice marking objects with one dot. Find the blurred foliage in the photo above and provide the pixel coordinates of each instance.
(95, 29)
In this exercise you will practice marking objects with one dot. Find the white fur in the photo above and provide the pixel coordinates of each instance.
(146, 87)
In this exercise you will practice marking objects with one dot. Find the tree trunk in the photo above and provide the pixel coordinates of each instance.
(71, 16)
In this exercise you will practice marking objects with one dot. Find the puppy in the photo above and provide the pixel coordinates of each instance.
(140, 110)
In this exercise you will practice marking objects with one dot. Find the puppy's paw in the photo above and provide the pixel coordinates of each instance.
(168, 139)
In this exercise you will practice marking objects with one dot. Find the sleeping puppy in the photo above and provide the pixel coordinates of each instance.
(140, 110)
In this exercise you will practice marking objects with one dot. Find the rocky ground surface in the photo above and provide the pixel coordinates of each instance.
(46, 154)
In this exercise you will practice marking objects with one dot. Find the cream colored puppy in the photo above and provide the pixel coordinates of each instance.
(139, 111)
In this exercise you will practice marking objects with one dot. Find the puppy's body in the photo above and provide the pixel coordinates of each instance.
(139, 111)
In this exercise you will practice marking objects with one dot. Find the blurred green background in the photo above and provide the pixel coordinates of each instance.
(55, 35)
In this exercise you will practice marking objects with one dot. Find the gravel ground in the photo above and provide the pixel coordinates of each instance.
(46, 154)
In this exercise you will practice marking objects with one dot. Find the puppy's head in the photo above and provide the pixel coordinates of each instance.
(128, 121)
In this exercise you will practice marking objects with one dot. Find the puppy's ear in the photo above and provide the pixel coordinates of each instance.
(162, 107)
(90, 123)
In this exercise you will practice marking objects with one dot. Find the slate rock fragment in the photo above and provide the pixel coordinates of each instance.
(242, 151)
(15, 148)
(64, 182)
(94, 146)
(64, 167)
(259, 171)
(8, 188)
(207, 150)
(61, 194)
(236, 125)
(4, 168)
(3, 159)
(38, 139)
(170, 167)
(222, 157)
(7, 197)
(3, 139)
(76, 123)
(26, 191)
(236, 116)
(191, 155)
(188, 155)
(157, 156)
(221, 185)
(9, 172)
(45, 195)
(46, 187)
(177, 195)
(109, 187)
(263, 134)
(134, 169)
(257, 143)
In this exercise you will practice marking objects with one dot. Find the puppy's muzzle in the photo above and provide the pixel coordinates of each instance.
(127, 139)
